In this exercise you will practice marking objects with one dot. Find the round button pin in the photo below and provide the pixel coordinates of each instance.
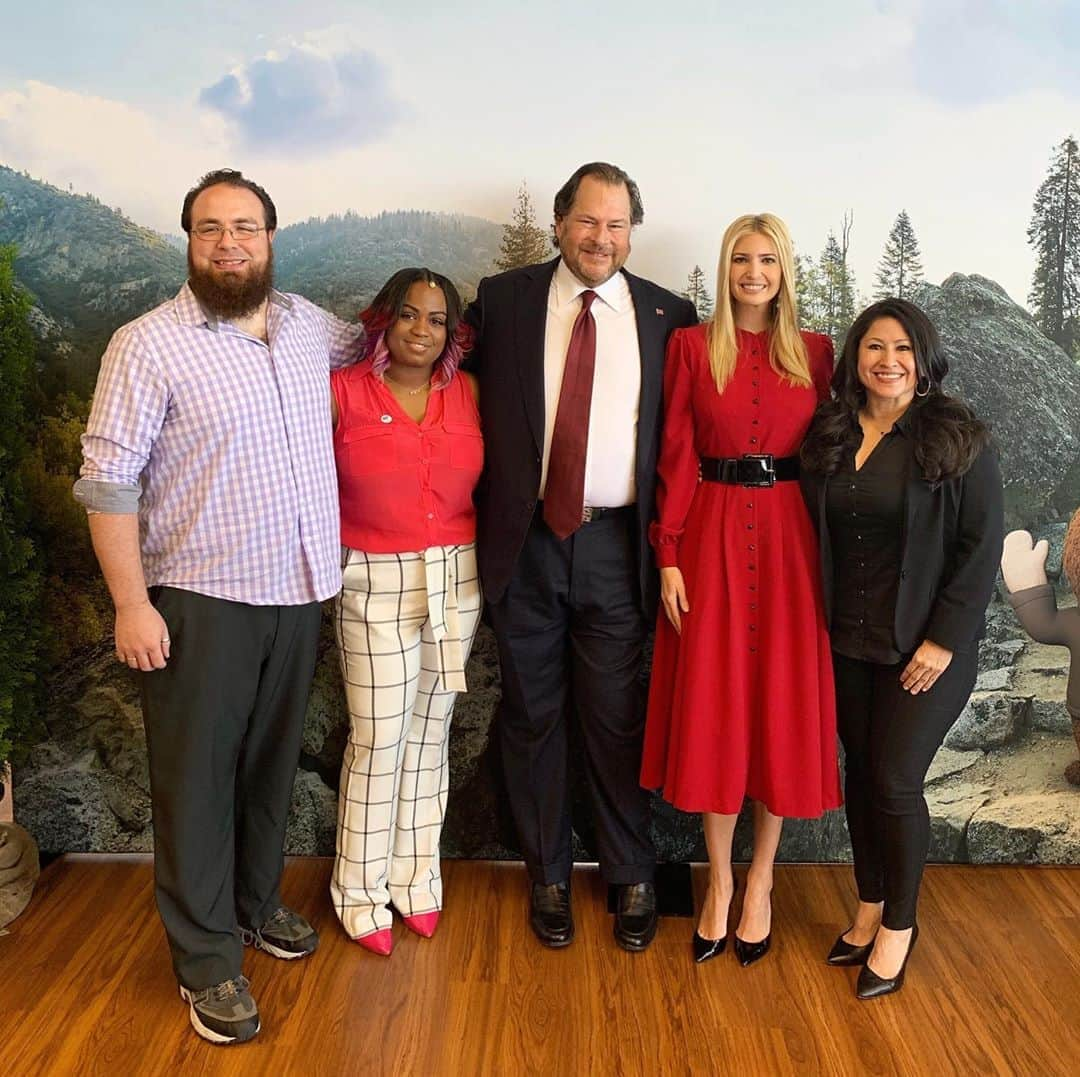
(386, 418)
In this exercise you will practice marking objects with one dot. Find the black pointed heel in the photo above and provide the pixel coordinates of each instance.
(749, 952)
(847, 953)
(871, 985)
(705, 949)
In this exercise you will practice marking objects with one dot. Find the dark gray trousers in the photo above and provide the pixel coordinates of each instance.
(223, 729)
(571, 636)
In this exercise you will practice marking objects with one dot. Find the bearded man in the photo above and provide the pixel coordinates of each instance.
(208, 476)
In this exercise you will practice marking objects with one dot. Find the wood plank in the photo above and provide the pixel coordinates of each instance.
(994, 986)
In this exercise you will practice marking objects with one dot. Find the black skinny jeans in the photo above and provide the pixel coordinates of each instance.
(890, 737)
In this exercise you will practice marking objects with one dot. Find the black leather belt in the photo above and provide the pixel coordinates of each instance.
(754, 469)
(592, 513)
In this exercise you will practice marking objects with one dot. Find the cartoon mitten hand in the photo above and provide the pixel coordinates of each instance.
(1023, 564)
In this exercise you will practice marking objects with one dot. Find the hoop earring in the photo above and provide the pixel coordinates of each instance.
(926, 391)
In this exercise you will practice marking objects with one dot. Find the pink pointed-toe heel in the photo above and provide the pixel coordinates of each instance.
(378, 942)
(423, 923)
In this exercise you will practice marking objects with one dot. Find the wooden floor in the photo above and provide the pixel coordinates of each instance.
(993, 987)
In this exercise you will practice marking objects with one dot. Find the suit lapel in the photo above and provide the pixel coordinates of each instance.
(530, 331)
(652, 334)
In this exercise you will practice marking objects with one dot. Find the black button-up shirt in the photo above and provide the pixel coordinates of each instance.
(865, 511)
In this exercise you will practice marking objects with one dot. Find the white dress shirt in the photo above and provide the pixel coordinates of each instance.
(613, 415)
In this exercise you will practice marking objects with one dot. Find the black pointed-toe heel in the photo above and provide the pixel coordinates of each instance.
(871, 985)
(749, 952)
(847, 953)
(704, 948)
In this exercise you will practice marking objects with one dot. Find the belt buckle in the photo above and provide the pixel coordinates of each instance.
(586, 514)
(765, 459)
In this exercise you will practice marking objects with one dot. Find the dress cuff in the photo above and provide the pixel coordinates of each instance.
(665, 543)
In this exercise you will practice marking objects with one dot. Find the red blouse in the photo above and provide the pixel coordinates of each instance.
(403, 485)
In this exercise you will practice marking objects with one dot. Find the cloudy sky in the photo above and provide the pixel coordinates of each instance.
(947, 108)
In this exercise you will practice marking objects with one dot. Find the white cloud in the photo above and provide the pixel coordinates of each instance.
(110, 149)
(306, 99)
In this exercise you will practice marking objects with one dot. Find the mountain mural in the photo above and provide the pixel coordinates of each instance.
(996, 791)
(90, 268)
(87, 266)
(341, 261)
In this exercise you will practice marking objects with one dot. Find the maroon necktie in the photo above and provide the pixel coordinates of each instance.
(564, 495)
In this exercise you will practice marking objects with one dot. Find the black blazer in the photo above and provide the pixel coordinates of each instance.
(953, 534)
(509, 316)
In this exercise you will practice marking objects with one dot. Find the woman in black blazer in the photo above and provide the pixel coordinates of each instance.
(904, 487)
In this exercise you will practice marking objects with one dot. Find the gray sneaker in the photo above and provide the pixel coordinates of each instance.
(286, 934)
(224, 1013)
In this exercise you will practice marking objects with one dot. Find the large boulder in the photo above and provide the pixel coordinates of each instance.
(951, 806)
(1042, 828)
(19, 870)
(989, 720)
(312, 824)
(1022, 383)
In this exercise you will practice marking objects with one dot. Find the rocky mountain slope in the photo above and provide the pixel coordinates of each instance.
(90, 269)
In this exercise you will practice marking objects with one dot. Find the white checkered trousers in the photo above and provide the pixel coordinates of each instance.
(405, 624)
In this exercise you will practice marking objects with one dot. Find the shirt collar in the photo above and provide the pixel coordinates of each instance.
(903, 424)
(615, 292)
(189, 311)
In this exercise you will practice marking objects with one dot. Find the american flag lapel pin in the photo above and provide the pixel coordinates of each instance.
(659, 312)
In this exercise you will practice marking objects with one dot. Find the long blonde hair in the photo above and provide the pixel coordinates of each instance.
(787, 352)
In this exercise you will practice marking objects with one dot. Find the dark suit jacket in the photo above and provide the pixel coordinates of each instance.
(953, 533)
(509, 316)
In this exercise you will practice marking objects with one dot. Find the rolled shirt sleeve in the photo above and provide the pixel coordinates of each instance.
(130, 403)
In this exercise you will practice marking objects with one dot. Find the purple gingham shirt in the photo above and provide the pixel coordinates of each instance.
(223, 444)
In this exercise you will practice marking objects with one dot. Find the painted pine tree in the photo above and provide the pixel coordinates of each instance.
(1054, 232)
(20, 581)
(698, 294)
(834, 300)
(807, 292)
(524, 243)
(900, 268)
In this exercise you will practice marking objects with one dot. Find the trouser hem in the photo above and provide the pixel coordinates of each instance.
(628, 874)
(548, 874)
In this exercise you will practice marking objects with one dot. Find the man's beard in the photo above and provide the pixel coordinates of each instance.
(232, 295)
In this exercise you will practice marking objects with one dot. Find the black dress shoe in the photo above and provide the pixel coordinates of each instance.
(635, 916)
(847, 953)
(749, 952)
(871, 985)
(549, 914)
(706, 948)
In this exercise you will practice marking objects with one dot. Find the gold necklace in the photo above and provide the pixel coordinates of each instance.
(408, 392)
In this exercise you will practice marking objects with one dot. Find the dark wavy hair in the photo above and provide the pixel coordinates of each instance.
(946, 434)
(230, 177)
(386, 307)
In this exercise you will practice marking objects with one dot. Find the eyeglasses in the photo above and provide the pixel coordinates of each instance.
(239, 232)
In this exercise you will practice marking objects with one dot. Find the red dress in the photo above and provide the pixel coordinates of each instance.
(742, 703)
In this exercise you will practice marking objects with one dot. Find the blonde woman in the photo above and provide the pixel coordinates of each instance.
(741, 701)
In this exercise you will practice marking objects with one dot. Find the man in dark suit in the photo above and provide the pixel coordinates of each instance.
(570, 358)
